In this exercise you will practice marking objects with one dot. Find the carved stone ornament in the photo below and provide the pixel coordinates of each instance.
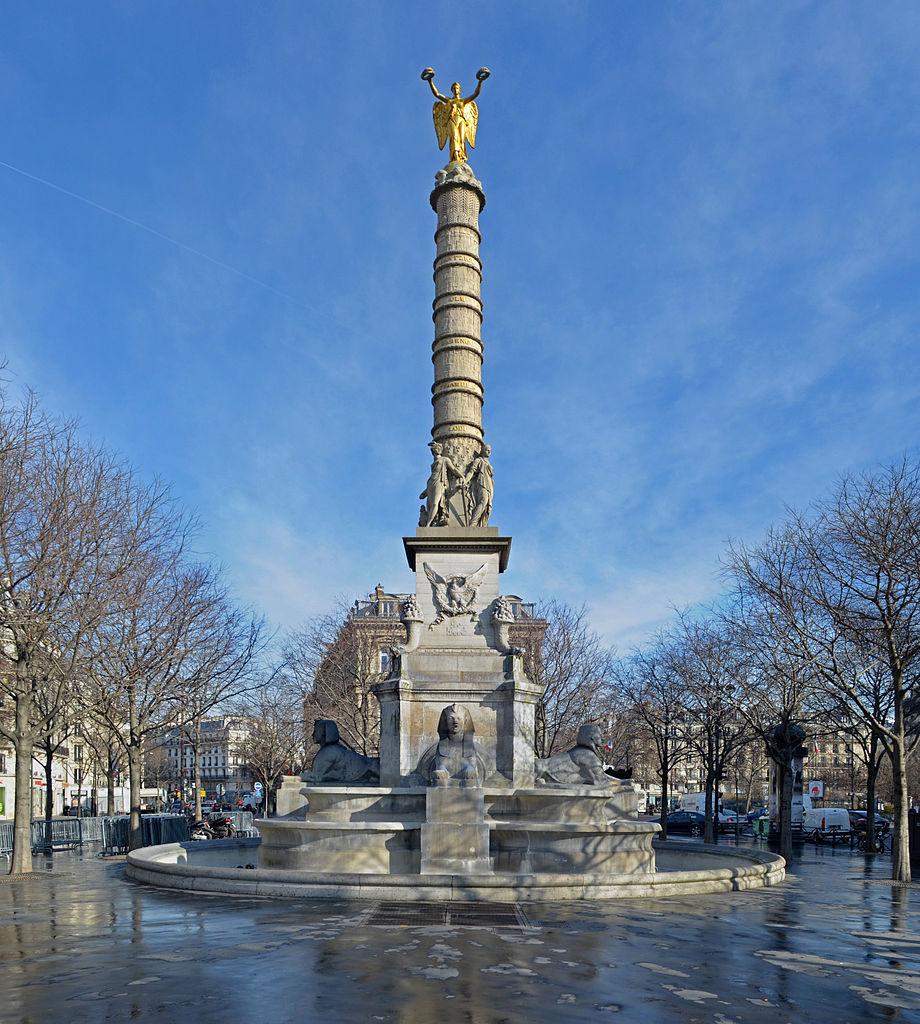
(454, 595)
(579, 766)
(453, 760)
(336, 763)
(502, 621)
(412, 619)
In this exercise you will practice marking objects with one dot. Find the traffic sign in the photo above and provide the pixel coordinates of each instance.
(257, 788)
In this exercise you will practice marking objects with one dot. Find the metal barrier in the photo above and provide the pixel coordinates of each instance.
(49, 835)
(6, 837)
(92, 830)
(115, 836)
(157, 829)
(113, 833)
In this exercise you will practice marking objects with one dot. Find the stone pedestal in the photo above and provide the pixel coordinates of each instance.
(289, 799)
(457, 661)
(455, 837)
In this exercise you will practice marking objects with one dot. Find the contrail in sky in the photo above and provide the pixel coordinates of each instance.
(164, 238)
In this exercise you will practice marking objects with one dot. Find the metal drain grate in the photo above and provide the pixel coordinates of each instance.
(457, 915)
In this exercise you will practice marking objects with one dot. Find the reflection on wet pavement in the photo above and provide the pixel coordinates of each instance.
(78, 942)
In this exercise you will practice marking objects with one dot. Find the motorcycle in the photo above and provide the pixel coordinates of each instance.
(218, 828)
(222, 828)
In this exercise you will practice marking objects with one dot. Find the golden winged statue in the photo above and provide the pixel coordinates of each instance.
(456, 116)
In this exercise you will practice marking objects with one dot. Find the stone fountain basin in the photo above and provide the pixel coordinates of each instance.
(379, 830)
(394, 847)
(219, 866)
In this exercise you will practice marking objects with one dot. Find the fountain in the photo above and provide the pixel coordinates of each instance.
(457, 806)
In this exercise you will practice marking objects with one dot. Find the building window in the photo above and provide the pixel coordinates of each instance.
(384, 659)
(2, 764)
(78, 753)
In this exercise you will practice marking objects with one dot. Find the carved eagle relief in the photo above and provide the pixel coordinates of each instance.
(454, 595)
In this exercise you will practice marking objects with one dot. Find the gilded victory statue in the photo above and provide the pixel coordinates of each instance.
(456, 116)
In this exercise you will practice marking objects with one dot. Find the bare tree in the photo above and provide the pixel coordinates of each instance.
(712, 678)
(146, 648)
(653, 689)
(865, 742)
(105, 752)
(845, 578)
(777, 694)
(56, 708)
(224, 663)
(576, 670)
(333, 661)
(274, 742)
(61, 554)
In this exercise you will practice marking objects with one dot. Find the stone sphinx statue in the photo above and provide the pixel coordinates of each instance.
(453, 760)
(336, 763)
(579, 766)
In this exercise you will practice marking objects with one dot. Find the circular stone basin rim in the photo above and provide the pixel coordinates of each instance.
(173, 866)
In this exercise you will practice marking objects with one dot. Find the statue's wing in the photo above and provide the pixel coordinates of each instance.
(441, 116)
(432, 575)
(439, 584)
(471, 116)
(476, 578)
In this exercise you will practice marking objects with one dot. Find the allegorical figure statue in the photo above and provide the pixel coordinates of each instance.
(334, 762)
(579, 766)
(436, 511)
(456, 116)
(479, 482)
(453, 760)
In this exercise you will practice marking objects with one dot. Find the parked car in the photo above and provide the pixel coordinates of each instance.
(688, 822)
(858, 821)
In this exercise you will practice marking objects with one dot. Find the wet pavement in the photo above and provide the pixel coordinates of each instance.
(836, 942)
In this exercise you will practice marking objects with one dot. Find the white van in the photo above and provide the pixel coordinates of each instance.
(826, 824)
(697, 802)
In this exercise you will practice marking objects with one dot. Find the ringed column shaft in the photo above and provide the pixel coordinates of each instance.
(457, 393)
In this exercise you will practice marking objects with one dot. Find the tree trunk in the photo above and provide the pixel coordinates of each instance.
(900, 843)
(709, 830)
(136, 840)
(195, 741)
(110, 783)
(872, 767)
(22, 814)
(49, 787)
(665, 772)
(785, 811)
(748, 800)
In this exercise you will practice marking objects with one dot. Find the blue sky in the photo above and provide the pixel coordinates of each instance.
(701, 272)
